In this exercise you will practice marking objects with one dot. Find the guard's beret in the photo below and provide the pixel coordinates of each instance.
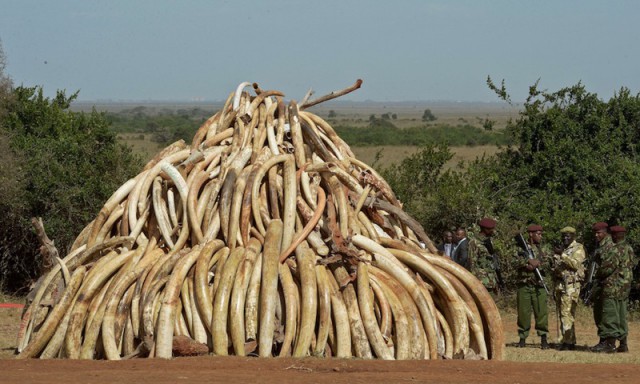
(534, 228)
(568, 230)
(617, 229)
(599, 226)
(487, 223)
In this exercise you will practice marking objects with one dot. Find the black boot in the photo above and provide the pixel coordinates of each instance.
(608, 346)
(521, 343)
(598, 346)
(623, 347)
(543, 342)
(567, 347)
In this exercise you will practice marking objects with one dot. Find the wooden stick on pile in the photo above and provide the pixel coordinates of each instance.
(264, 236)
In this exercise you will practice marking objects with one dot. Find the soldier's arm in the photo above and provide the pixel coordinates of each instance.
(575, 260)
(522, 260)
(608, 263)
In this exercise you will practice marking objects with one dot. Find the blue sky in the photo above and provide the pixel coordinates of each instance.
(403, 50)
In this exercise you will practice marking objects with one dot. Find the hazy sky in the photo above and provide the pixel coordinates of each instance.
(403, 50)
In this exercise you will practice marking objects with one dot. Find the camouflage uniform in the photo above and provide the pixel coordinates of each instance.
(480, 261)
(531, 293)
(613, 282)
(568, 273)
(618, 285)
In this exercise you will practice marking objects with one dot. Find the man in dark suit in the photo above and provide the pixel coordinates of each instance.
(446, 247)
(461, 250)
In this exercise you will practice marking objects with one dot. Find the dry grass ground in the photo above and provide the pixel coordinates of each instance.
(141, 144)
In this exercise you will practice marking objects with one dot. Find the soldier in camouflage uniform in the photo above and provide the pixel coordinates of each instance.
(480, 258)
(610, 291)
(531, 292)
(627, 264)
(568, 273)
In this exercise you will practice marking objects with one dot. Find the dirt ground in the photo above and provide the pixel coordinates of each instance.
(529, 365)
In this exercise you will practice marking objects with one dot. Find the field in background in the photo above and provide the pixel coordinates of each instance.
(394, 154)
(407, 114)
(142, 145)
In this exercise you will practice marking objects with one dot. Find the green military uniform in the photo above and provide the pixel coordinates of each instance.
(607, 291)
(481, 261)
(613, 284)
(531, 294)
(568, 273)
(626, 258)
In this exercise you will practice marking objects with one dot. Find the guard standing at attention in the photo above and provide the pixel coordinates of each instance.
(568, 273)
(628, 262)
(531, 293)
(607, 291)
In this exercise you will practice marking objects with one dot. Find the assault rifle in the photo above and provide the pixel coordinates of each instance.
(496, 262)
(587, 290)
(522, 243)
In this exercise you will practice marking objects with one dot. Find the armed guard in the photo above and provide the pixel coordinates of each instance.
(627, 262)
(533, 259)
(608, 292)
(481, 255)
(568, 274)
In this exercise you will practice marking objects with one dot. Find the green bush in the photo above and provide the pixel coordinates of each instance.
(58, 165)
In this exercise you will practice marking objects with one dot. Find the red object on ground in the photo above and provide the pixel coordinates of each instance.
(11, 305)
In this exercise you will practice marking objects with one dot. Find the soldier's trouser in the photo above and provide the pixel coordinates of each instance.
(567, 301)
(614, 318)
(531, 297)
(623, 317)
(597, 300)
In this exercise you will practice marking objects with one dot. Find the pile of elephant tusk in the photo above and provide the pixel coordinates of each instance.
(267, 237)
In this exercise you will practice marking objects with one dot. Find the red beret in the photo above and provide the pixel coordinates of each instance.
(487, 223)
(599, 226)
(617, 229)
(534, 228)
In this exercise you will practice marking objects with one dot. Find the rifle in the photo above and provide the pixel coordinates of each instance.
(522, 243)
(587, 291)
(496, 262)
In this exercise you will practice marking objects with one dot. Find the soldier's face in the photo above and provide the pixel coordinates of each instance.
(601, 234)
(536, 237)
(567, 239)
(488, 231)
